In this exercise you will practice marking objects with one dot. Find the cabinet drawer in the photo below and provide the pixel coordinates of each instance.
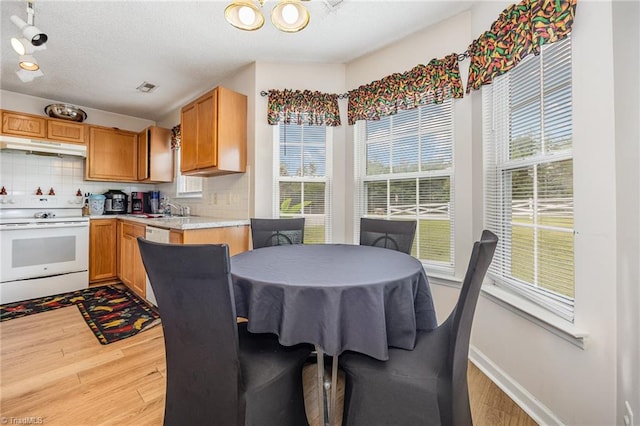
(68, 132)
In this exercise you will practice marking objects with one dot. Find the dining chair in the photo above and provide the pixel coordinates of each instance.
(392, 234)
(276, 232)
(218, 372)
(428, 385)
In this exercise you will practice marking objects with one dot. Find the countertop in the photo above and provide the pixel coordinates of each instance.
(177, 222)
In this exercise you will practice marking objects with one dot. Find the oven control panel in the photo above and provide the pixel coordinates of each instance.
(39, 202)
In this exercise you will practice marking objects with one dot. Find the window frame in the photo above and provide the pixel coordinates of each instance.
(181, 182)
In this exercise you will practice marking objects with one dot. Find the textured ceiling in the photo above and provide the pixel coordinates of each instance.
(99, 51)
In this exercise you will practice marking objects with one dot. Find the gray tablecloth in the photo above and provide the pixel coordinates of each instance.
(339, 297)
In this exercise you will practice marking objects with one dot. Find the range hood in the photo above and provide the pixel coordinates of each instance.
(42, 147)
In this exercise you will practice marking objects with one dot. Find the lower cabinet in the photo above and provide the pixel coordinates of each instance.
(103, 260)
(131, 269)
(236, 237)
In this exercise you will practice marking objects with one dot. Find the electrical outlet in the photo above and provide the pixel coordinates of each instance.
(628, 417)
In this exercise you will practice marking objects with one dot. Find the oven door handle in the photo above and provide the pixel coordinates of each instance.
(44, 226)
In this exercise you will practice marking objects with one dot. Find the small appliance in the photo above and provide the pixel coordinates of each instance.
(115, 202)
(137, 202)
(152, 202)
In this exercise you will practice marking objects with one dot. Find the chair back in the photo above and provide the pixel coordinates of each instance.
(194, 291)
(460, 322)
(392, 234)
(276, 232)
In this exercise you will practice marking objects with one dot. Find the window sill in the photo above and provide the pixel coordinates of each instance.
(524, 308)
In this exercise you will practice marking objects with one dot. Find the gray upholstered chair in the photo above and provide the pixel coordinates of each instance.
(426, 386)
(275, 232)
(218, 372)
(392, 234)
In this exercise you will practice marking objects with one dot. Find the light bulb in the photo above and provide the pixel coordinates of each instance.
(18, 46)
(246, 15)
(289, 14)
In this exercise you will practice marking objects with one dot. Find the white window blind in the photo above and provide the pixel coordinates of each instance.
(302, 178)
(529, 178)
(404, 167)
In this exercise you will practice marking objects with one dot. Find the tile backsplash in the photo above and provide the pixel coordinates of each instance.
(22, 174)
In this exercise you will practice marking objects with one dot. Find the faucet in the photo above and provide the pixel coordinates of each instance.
(182, 210)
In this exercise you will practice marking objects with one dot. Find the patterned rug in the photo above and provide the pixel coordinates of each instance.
(112, 313)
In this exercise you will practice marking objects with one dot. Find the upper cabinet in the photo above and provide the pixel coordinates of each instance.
(112, 154)
(44, 128)
(25, 125)
(66, 131)
(214, 134)
(155, 157)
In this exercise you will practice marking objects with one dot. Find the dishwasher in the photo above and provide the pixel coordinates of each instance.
(157, 235)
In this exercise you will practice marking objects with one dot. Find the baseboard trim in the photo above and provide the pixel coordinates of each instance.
(539, 412)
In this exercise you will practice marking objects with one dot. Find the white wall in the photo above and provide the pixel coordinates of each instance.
(626, 35)
(555, 380)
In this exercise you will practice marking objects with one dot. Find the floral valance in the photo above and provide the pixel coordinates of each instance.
(520, 30)
(423, 84)
(303, 107)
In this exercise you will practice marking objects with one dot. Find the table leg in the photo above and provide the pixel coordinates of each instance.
(324, 414)
(334, 390)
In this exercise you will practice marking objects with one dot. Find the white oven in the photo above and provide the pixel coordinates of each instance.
(42, 256)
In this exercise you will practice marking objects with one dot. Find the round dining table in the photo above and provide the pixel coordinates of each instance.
(336, 296)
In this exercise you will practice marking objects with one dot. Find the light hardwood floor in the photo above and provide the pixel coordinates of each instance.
(54, 371)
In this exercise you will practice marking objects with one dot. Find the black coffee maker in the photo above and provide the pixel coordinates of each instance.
(115, 202)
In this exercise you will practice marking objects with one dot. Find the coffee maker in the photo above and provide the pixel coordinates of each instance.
(115, 202)
(137, 202)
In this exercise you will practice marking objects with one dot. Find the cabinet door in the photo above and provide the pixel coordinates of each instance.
(102, 250)
(207, 140)
(24, 125)
(160, 155)
(112, 155)
(65, 131)
(236, 237)
(231, 128)
(132, 271)
(188, 144)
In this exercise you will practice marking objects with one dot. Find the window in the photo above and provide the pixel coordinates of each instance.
(187, 186)
(529, 178)
(404, 164)
(302, 184)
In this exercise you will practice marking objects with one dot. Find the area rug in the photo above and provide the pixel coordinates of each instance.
(112, 313)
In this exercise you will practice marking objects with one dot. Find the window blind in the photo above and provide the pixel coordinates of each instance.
(302, 178)
(528, 159)
(404, 169)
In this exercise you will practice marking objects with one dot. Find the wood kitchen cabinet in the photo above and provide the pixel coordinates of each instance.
(236, 237)
(112, 155)
(131, 268)
(24, 125)
(66, 131)
(155, 157)
(214, 134)
(102, 250)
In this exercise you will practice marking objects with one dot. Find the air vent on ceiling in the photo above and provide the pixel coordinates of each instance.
(146, 87)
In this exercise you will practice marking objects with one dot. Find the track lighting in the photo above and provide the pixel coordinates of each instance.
(288, 15)
(30, 32)
(33, 40)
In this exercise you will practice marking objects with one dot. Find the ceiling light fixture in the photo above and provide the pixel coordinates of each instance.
(288, 15)
(30, 31)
